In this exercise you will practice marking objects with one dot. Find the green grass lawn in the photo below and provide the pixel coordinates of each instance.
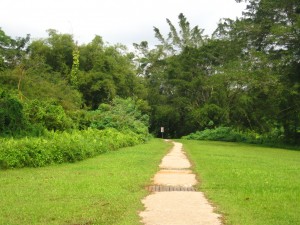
(103, 190)
(250, 185)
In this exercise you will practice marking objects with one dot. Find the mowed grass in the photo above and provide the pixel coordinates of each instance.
(248, 184)
(103, 190)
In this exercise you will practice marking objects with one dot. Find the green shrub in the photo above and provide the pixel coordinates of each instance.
(59, 147)
(218, 134)
(274, 138)
(121, 114)
(208, 116)
(48, 114)
(11, 114)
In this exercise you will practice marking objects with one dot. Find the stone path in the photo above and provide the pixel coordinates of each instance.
(173, 200)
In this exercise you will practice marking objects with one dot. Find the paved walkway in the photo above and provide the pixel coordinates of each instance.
(173, 200)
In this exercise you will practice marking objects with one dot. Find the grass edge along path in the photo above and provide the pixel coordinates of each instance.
(106, 189)
(248, 184)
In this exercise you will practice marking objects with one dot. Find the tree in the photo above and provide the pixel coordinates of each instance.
(109, 73)
(57, 50)
(273, 28)
(186, 37)
(90, 53)
(12, 118)
(11, 50)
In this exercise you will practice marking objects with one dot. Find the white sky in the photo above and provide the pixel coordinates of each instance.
(117, 21)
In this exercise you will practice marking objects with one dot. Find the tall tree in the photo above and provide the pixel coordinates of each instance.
(11, 50)
(57, 50)
(274, 29)
(107, 72)
(186, 37)
(173, 85)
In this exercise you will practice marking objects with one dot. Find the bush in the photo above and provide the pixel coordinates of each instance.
(274, 138)
(208, 116)
(59, 147)
(218, 134)
(11, 114)
(48, 114)
(121, 114)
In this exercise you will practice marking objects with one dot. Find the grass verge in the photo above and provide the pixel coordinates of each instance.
(106, 189)
(250, 184)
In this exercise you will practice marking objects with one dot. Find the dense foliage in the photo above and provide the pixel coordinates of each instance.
(245, 76)
(11, 113)
(122, 114)
(49, 83)
(274, 138)
(54, 92)
(59, 147)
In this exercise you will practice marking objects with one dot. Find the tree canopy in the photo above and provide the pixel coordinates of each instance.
(245, 76)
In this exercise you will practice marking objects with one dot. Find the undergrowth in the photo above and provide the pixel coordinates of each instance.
(229, 134)
(59, 147)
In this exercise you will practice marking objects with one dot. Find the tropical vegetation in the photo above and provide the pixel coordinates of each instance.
(245, 77)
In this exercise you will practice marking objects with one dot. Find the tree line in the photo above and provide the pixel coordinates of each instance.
(245, 76)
